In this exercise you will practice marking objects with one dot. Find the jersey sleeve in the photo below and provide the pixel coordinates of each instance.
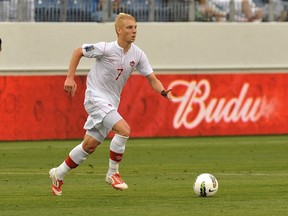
(94, 50)
(144, 66)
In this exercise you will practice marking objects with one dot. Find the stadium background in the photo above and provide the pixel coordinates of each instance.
(227, 56)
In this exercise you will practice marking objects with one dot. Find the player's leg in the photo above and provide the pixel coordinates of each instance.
(246, 9)
(76, 156)
(117, 148)
(117, 145)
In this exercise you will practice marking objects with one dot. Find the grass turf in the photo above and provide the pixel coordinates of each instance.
(251, 171)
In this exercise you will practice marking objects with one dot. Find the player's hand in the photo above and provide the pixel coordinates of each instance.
(167, 94)
(70, 86)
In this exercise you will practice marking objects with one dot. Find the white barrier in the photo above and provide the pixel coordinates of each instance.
(34, 47)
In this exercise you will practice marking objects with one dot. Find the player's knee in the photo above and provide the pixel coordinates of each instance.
(122, 128)
(90, 144)
(125, 131)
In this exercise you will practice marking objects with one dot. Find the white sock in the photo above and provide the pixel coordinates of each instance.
(75, 158)
(117, 148)
(77, 155)
(62, 170)
(113, 167)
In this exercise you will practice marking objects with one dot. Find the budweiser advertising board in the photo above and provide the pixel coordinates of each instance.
(203, 105)
(36, 107)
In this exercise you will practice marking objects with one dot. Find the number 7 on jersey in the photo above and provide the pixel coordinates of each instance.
(120, 70)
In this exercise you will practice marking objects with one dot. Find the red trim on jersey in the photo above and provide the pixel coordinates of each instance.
(115, 156)
(70, 163)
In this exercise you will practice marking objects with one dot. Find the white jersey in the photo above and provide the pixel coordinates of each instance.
(111, 69)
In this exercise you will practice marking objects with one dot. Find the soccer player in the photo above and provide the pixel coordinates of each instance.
(114, 63)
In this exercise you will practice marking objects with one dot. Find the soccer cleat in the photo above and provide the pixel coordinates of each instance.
(56, 183)
(116, 181)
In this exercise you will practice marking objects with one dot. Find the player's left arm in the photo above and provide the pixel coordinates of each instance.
(158, 86)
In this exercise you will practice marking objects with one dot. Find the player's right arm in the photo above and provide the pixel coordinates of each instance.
(70, 85)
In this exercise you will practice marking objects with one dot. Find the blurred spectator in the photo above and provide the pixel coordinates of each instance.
(4, 10)
(208, 11)
(0, 44)
(275, 10)
(21, 10)
(245, 10)
(114, 3)
(114, 9)
(26, 12)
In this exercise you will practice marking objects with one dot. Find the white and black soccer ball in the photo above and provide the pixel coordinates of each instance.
(205, 185)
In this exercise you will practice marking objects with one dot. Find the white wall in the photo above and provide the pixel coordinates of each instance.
(29, 47)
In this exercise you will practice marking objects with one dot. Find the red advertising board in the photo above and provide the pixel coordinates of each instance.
(36, 107)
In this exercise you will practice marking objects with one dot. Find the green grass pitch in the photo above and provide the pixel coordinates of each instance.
(252, 172)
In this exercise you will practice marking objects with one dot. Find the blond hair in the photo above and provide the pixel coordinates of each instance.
(119, 20)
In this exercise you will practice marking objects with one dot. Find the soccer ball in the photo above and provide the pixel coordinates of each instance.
(205, 185)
